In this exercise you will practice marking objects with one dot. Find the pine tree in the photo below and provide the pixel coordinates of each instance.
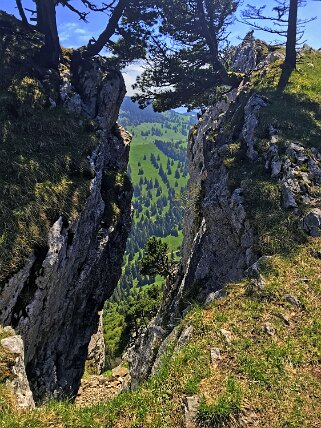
(188, 71)
(129, 25)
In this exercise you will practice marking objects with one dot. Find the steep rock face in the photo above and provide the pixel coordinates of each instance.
(221, 245)
(54, 300)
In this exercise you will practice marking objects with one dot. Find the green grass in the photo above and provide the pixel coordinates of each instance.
(142, 147)
(44, 173)
(296, 113)
(224, 410)
(274, 379)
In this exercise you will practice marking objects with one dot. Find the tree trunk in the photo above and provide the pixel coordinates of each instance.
(211, 40)
(290, 58)
(47, 25)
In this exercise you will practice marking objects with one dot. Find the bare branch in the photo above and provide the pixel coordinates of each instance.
(94, 8)
(82, 15)
(22, 13)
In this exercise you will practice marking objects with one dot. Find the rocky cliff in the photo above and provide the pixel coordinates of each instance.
(52, 296)
(253, 193)
(236, 342)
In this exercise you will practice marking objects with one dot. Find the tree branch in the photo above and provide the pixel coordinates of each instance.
(22, 13)
(95, 47)
(82, 15)
(94, 8)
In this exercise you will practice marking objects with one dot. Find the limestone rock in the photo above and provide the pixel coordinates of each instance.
(18, 383)
(191, 406)
(144, 352)
(96, 350)
(276, 167)
(185, 336)
(288, 197)
(254, 271)
(275, 56)
(293, 300)
(312, 222)
(245, 59)
(227, 335)
(220, 294)
(269, 329)
(215, 354)
(251, 110)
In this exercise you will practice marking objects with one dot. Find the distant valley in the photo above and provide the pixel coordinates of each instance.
(158, 170)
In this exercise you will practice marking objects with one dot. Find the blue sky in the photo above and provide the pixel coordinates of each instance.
(75, 33)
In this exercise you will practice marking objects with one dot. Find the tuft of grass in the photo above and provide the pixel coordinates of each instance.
(225, 409)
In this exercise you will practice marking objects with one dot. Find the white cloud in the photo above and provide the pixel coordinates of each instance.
(130, 73)
(73, 35)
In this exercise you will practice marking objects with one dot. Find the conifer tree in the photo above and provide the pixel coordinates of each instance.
(129, 21)
(185, 61)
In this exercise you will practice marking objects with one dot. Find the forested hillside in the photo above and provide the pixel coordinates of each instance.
(158, 169)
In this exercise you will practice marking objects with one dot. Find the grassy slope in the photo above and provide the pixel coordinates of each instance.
(44, 170)
(41, 177)
(297, 113)
(144, 146)
(274, 380)
(141, 146)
